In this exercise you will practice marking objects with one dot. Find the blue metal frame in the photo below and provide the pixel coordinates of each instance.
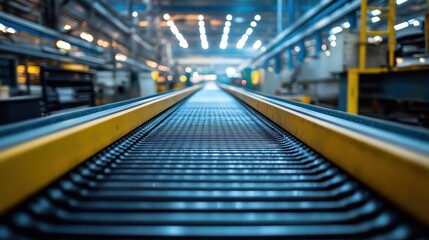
(322, 16)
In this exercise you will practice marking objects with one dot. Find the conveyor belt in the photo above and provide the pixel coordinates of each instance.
(209, 167)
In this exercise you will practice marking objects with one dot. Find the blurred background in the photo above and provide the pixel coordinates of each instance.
(58, 55)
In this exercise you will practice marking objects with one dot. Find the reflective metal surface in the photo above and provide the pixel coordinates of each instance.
(209, 167)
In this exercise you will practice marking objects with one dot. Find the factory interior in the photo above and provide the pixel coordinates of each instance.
(238, 119)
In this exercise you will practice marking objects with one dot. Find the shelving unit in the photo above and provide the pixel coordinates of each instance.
(63, 89)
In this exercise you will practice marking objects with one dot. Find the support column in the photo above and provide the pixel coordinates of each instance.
(290, 59)
(302, 53)
(278, 63)
(291, 11)
(279, 16)
(353, 20)
(319, 42)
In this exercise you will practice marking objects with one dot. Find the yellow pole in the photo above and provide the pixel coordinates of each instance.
(353, 91)
(391, 30)
(363, 34)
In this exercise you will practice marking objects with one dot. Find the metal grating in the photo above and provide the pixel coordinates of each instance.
(210, 167)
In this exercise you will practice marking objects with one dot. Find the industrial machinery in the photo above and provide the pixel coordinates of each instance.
(213, 161)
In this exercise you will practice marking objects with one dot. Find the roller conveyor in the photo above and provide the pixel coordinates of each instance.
(207, 167)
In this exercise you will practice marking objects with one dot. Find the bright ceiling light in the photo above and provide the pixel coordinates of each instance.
(297, 49)
(336, 30)
(67, 27)
(174, 29)
(63, 45)
(414, 22)
(253, 24)
(202, 29)
(229, 17)
(257, 17)
(249, 31)
(375, 19)
(166, 17)
(230, 71)
(376, 12)
(226, 30)
(228, 23)
(86, 36)
(182, 41)
(401, 25)
(188, 69)
(399, 2)
(346, 25)
(135, 14)
(257, 44)
(151, 64)
(120, 57)
(12, 30)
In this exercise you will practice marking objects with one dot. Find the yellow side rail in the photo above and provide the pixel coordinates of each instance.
(397, 173)
(30, 166)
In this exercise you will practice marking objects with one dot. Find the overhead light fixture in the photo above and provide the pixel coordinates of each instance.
(376, 12)
(257, 17)
(346, 25)
(67, 27)
(203, 36)
(414, 22)
(226, 29)
(166, 17)
(135, 14)
(121, 57)
(63, 45)
(263, 49)
(399, 60)
(86, 36)
(257, 44)
(10, 30)
(188, 70)
(399, 2)
(249, 31)
(401, 26)
(151, 64)
(375, 19)
(230, 71)
(253, 24)
(163, 68)
(103, 43)
(336, 30)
